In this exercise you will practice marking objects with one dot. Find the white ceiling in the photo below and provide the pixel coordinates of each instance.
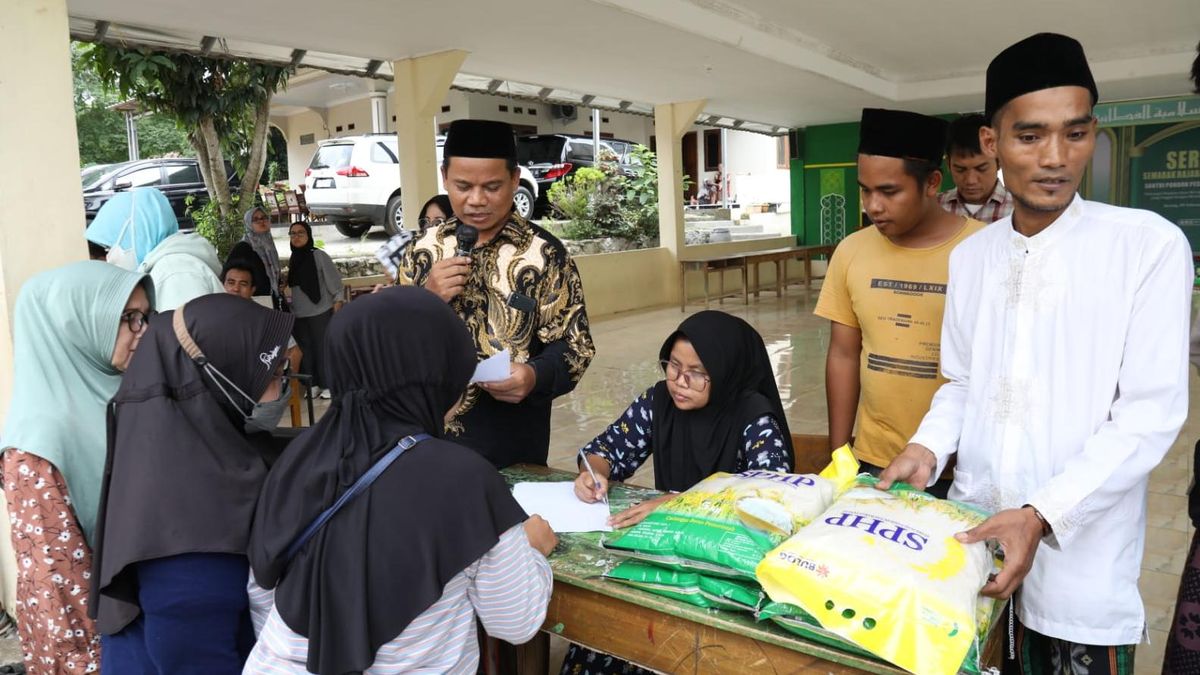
(781, 62)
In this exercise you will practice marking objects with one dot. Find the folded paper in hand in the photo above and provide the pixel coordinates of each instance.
(494, 368)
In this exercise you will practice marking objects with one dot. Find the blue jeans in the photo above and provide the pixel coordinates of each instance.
(195, 619)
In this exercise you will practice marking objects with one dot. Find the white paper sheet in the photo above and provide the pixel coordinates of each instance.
(557, 503)
(494, 368)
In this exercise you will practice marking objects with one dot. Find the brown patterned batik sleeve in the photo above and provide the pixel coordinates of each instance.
(53, 569)
(563, 328)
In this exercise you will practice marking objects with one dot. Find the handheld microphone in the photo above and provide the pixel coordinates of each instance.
(466, 235)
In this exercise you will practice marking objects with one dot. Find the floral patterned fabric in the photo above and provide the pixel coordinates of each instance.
(54, 565)
(626, 442)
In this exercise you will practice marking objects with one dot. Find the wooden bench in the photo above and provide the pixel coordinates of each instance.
(717, 264)
(353, 287)
(746, 261)
(780, 257)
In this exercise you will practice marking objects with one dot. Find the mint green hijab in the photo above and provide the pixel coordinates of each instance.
(64, 331)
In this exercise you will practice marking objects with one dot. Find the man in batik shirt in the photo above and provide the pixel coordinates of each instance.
(517, 290)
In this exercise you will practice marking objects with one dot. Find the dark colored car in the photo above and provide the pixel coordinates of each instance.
(553, 157)
(177, 178)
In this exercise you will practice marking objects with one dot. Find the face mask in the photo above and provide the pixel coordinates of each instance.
(265, 416)
(125, 258)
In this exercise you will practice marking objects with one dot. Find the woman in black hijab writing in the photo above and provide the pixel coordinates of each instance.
(716, 409)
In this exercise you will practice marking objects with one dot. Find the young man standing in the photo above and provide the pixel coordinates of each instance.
(1066, 349)
(517, 290)
(977, 193)
(885, 289)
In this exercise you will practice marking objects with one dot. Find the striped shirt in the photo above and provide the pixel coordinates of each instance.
(997, 206)
(508, 589)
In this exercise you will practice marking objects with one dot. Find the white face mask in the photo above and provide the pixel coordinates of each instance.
(125, 258)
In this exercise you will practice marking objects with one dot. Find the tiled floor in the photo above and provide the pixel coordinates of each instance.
(626, 364)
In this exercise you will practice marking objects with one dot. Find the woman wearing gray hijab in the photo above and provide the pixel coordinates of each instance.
(258, 235)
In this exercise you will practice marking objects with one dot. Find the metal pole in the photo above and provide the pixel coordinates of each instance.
(725, 170)
(131, 135)
(596, 136)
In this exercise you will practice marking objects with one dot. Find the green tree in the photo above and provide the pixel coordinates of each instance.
(102, 138)
(223, 104)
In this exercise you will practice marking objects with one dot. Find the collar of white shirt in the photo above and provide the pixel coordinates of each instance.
(1047, 237)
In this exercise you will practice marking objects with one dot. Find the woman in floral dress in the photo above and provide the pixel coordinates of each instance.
(74, 331)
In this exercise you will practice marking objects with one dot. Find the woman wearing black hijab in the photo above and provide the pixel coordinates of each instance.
(185, 466)
(397, 576)
(717, 409)
(315, 286)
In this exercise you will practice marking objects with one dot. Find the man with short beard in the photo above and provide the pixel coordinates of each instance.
(1065, 343)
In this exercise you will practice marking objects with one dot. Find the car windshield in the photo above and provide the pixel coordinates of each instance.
(91, 176)
(539, 149)
(333, 156)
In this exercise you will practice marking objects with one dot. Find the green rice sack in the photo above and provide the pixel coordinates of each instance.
(726, 523)
(689, 587)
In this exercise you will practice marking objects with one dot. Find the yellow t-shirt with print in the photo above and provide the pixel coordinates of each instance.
(896, 297)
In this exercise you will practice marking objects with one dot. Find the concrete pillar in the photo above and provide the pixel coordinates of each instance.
(671, 122)
(131, 135)
(41, 212)
(421, 85)
(379, 113)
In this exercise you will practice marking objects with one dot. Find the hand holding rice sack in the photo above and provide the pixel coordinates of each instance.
(888, 572)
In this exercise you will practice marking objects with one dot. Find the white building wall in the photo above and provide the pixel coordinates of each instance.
(755, 176)
(750, 159)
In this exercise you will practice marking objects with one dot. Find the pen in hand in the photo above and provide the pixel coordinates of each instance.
(602, 496)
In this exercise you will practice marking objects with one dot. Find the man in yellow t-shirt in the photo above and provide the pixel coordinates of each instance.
(885, 290)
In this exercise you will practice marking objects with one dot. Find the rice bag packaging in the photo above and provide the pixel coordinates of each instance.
(795, 620)
(726, 523)
(690, 587)
(884, 571)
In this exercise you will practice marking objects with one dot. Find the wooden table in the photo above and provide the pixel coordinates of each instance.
(718, 264)
(657, 632)
(780, 257)
(744, 262)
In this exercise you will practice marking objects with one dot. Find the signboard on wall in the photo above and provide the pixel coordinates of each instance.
(1166, 180)
(1154, 111)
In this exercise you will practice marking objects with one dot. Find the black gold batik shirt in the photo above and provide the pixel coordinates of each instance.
(523, 294)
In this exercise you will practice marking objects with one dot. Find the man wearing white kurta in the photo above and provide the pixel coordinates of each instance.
(1065, 343)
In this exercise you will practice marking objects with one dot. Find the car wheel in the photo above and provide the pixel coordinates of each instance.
(352, 230)
(523, 201)
(393, 216)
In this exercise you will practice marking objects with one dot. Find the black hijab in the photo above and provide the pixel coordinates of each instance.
(302, 268)
(181, 475)
(400, 359)
(244, 255)
(690, 446)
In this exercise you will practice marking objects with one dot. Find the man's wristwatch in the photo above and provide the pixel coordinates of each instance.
(1046, 530)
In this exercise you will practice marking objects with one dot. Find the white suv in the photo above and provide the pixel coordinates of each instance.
(355, 183)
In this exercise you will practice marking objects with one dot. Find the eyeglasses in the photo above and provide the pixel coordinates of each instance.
(258, 218)
(431, 222)
(692, 379)
(297, 233)
(136, 319)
